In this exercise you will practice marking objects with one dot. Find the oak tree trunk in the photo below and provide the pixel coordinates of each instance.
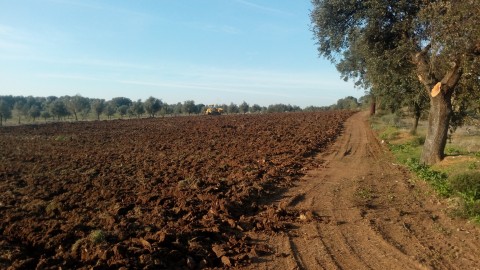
(415, 125)
(438, 122)
(440, 105)
(372, 105)
(417, 113)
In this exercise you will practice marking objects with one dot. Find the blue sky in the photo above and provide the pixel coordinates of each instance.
(209, 51)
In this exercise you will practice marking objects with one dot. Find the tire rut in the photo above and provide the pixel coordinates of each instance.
(371, 215)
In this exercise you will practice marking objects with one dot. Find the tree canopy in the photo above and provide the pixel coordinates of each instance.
(401, 48)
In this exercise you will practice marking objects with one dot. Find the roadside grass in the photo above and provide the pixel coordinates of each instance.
(457, 177)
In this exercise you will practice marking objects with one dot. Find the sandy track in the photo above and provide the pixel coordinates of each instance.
(368, 214)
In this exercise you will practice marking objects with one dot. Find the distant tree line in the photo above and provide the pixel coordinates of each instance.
(82, 108)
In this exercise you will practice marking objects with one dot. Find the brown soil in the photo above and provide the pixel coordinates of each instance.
(164, 193)
(360, 210)
(196, 192)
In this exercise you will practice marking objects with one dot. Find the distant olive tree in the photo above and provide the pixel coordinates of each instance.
(21, 108)
(138, 108)
(34, 112)
(189, 107)
(77, 105)
(5, 111)
(255, 108)
(119, 101)
(122, 110)
(152, 106)
(110, 110)
(58, 109)
(98, 106)
(233, 108)
(244, 107)
(45, 115)
(348, 103)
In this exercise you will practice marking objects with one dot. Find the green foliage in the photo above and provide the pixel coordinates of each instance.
(276, 108)
(138, 108)
(389, 133)
(437, 179)
(451, 150)
(470, 209)
(110, 110)
(244, 107)
(122, 110)
(119, 101)
(62, 108)
(392, 120)
(463, 187)
(406, 151)
(467, 184)
(34, 112)
(97, 236)
(398, 50)
(98, 106)
(5, 111)
(418, 141)
(233, 108)
(152, 106)
(58, 109)
(348, 103)
(45, 115)
(77, 105)
(255, 108)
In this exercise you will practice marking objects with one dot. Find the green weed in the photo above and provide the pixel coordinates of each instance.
(473, 166)
(391, 120)
(453, 151)
(467, 184)
(437, 179)
(97, 236)
(390, 133)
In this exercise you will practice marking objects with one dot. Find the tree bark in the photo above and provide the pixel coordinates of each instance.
(438, 122)
(440, 106)
(415, 125)
(372, 105)
(417, 113)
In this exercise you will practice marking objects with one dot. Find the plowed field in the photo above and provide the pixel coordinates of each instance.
(181, 192)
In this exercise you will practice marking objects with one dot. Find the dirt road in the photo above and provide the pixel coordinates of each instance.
(363, 211)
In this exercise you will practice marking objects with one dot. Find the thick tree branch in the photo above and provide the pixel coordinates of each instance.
(426, 77)
(452, 77)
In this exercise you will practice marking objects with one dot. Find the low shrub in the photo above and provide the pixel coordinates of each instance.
(390, 133)
(418, 141)
(392, 120)
(438, 180)
(467, 184)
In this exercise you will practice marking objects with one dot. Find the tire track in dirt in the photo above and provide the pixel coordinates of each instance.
(368, 214)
